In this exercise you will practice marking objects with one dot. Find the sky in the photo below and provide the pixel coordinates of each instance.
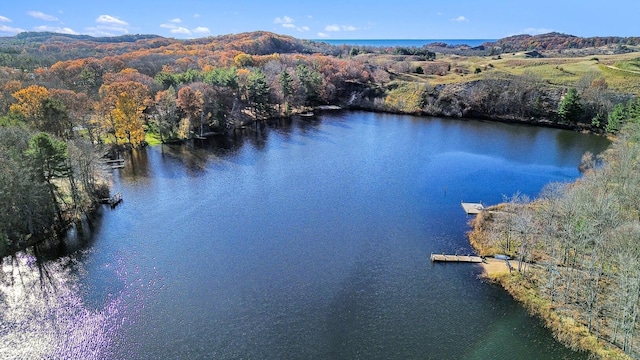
(327, 19)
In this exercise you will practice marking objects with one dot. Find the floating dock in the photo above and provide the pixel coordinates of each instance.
(307, 114)
(472, 208)
(456, 258)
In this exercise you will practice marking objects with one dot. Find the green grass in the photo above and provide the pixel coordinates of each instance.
(152, 138)
(405, 96)
(621, 81)
(631, 64)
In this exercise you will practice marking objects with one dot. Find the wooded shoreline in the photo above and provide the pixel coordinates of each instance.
(576, 251)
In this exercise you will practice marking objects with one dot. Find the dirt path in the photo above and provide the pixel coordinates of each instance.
(494, 267)
(617, 68)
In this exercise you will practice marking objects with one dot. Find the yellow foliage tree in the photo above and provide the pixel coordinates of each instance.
(127, 118)
(29, 103)
(243, 60)
(121, 107)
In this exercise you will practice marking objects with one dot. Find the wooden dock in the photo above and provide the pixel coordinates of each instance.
(472, 208)
(116, 163)
(456, 258)
(112, 201)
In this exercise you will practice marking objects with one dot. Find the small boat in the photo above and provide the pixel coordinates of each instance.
(307, 114)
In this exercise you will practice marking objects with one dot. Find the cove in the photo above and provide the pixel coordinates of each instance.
(302, 239)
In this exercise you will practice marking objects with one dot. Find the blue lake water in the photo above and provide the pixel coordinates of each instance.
(302, 239)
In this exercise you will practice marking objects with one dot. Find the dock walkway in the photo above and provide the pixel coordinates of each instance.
(472, 208)
(116, 163)
(456, 258)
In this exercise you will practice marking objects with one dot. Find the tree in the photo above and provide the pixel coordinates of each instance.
(6, 94)
(310, 81)
(29, 104)
(166, 113)
(55, 118)
(78, 107)
(127, 116)
(286, 85)
(616, 118)
(258, 94)
(121, 110)
(570, 109)
(48, 160)
(24, 202)
(192, 104)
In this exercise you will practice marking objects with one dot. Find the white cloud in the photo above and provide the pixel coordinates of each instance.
(535, 31)
(10, 30)
(4, 19)
(323, 35)
(201, 30)
(332, 28)
(108, 26)
(42, 16)
(108, 19)
(283, 20)
(176, 21)
(196, 15)
(174, 29)
(102, 30)
(288, 22)
(180, 30)
(460, 19)
(55, 29)
(335, 28)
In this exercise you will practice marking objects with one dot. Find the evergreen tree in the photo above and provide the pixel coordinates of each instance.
(616, 118)
(286, 85)
(570, 110)
(258, 94)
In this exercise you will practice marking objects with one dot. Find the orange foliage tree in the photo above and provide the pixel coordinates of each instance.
(191, 102)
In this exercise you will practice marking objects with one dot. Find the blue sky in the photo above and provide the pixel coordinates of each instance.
(373, 19)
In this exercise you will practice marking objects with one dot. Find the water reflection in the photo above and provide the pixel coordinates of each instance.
(43, 315)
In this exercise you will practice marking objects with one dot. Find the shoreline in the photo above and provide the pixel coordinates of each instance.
(566, 330)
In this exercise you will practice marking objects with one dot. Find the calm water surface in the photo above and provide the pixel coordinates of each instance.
(303, 240)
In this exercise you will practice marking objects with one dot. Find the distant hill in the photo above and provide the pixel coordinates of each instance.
(48, 37)
(558, 41)
(42, 49)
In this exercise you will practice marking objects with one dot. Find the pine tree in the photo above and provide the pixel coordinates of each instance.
(570, 110)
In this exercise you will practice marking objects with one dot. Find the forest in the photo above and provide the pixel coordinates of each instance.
(67, 101)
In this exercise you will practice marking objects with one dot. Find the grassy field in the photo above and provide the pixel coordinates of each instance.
(621, 72)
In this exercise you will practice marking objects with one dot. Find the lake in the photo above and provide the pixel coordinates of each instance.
(299, 239)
